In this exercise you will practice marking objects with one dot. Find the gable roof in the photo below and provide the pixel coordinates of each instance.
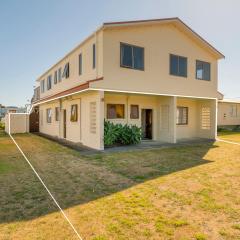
(178, 23)
(229, 100)
(175, 20)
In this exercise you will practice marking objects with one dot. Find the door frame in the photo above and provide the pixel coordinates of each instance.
(64, 123)
(144, 109)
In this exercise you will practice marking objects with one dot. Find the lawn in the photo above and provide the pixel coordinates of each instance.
(189, 192)
(229, 136)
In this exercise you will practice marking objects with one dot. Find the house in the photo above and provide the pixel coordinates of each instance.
(10, 109)
(157, 74)
(228, 113)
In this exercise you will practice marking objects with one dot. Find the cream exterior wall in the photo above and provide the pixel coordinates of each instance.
(194, 127)
(159, 41)
(78, 132)
(19, 123)
(191, 129)
(48, 128)
(88, 73)
(224, 114)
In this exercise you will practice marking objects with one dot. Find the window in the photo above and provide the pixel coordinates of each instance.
(131, 56)
(49, 82)
(42, 86)
(115, 111)
(49, 115)
(74, 113)
(57, 113)
(202, 70)
(93, 117)
(178, 65)
(134, 112)
(59, 75)
(233, 112)
(55, 77)
(94, 55)
(206, 118)
(80, 64)
(182, 115)
(66, 71)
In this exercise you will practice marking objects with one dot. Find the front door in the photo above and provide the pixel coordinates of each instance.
(64, 123)
(147, 123)
(34, 120)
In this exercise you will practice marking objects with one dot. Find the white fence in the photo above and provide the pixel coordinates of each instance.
(18, 123)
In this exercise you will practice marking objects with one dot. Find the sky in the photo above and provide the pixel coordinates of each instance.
(36, 34)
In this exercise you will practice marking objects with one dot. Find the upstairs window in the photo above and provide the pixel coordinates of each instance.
(55, 77)
(59, 74)
(94, 55)
(49, 115)
(66, 71)
(178, 65)
(131, 56)
(202, 70)
(80, 64)
(182, 115)
(42, 86)
(115, 111)
(49, 82)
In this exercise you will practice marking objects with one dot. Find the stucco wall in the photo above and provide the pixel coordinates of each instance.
(48, 128)
(88, 72)
(19, 123)
(160, 131)
(189, 130)
(164, 115)
(224, 114)
(195, 126)
(158, 41)
(78, 132)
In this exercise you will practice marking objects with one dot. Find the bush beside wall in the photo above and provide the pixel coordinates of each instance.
(2, 126)
(118, 134)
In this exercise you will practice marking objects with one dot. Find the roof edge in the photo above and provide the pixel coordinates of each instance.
(173, 19)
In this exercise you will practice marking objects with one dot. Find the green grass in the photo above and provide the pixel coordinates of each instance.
(180, 193)
(5, 167)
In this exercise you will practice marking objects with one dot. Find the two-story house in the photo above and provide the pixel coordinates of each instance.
(158, 74)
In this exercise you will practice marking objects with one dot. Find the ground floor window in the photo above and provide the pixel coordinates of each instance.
(206, 118)
(182, 115)
(57, 111)
(134, 112)
(74, 113)
(49, 115)
(115, 111)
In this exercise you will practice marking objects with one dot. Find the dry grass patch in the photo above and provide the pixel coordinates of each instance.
(186, 192)
(229, 136)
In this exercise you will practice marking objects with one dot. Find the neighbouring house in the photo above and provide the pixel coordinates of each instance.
(157, 74)
(10, 109)
(228, 113)
(19, 119)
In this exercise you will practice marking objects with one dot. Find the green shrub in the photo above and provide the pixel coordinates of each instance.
(111, 133)
(2, 126)
(121, 134)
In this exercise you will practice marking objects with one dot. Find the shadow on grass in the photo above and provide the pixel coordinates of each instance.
(75, 179)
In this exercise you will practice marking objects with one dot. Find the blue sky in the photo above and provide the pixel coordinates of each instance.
(35, 34)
